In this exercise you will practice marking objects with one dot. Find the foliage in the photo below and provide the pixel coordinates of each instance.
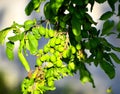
(70, 35)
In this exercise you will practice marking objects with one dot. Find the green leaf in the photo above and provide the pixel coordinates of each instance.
(90, 19)
(106, 15)
(36, 32)
(76, 26)
(118, 36)
(108, 69)
(112, 4)
(16, 37)
(107, 44)
(9, 50)
(115, 58)
(100, 1)
(107, 57)
(92, 4)
(48, 11)
(29, 8)
(107, 27)
(33, 43)
(55, 5)
(115, 48)
(29, 23)
(94, 43)
(22, 43)
(3, 34)
(85, 75)
(24, 61)
(118, 26)
(36, 3)
(33, 5)
(119, 9)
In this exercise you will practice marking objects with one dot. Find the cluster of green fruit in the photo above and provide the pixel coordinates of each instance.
(57, 50)
(56, 57)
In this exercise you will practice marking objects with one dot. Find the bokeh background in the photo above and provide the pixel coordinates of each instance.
(12, 72)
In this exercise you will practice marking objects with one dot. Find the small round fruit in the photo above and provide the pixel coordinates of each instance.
(78, 46)
(57, 41)
(52, 42)
(51, 33)
(49, 65)
(73, 50)
(43, 58)
(85, 80)
(71, 66)
(40, 51)
(39, 63)
(42, 30)
(46, 49)
(53, 58)
(59, 63)
(60, 48)
(52, 50)
(66, 53)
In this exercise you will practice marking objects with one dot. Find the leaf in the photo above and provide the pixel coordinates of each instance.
(55, 5)
(33, 5)
(29, 23)
(112, 4)
(107, 58)
(47, 10)
(22, 43)
(24, 61)
(115, 58)
(108, 69)
(36, 33)
(107, 44)
(92, 4)
(76, 26)
(16, 37)
(115, 48)
(4, 33)
(36, 3)
(90, 19)
(100, 1)
(106, 15)
(33, 43)
(93, 43)
(118, 26)
(9, 50)
(29, 8)
(107, 27)
(119, 9)
(85, 75)
(118, 36)
(111, 33)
